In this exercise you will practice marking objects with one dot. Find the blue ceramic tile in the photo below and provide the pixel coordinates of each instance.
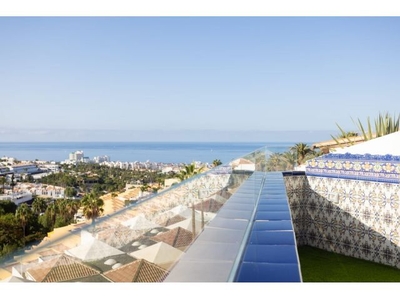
(270, 254)
(272, 207)
(274, 200)
(272, 238)
(273, 215)
(272, 193)
(256, 272)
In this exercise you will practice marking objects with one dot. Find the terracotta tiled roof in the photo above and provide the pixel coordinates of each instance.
(138, 271)
(94, 278)
(177, 237)
(209, 205)
(59, 269)
(174, 220)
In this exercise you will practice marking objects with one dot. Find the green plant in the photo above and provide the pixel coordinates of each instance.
(384, 124)
(301, 151)
(92, 206)
(189, 171)
(216, 162)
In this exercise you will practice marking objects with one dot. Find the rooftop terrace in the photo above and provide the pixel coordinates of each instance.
(238, 222)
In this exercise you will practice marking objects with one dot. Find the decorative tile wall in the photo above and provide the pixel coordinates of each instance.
(378, 168)
(358, 217)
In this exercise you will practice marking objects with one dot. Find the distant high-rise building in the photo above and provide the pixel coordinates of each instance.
(76, 156)
(100, 159)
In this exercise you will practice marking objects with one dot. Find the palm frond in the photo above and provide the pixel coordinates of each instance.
(343, 135)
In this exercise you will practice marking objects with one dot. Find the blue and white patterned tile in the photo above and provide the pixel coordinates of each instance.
(366, 214)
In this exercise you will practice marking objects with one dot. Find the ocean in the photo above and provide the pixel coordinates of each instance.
(163, 152)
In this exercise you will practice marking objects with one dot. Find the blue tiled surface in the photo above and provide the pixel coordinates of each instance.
(266, 272)
(270, 254)
(273, 215)
(272, 207)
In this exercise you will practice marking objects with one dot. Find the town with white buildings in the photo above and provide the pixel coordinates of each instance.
(78, 157)
(14, 172)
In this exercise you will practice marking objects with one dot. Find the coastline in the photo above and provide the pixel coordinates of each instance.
(165, 152)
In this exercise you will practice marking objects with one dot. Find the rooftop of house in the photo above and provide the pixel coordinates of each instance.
(387, 144)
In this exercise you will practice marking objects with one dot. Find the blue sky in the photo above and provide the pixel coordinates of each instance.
(166, 78)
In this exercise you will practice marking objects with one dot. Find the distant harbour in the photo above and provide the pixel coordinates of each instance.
(164, 152)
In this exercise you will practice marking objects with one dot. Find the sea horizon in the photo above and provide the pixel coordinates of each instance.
(154, 151)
